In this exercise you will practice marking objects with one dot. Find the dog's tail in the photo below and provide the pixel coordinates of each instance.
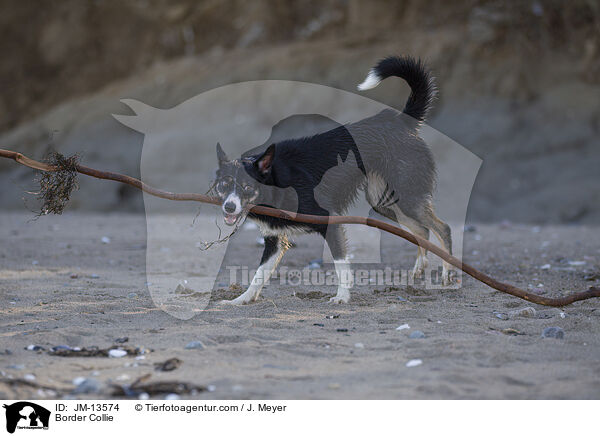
(418, 77)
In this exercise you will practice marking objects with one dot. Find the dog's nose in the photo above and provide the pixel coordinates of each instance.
(229, 207)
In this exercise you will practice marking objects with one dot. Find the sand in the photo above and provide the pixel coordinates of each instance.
(272, 349)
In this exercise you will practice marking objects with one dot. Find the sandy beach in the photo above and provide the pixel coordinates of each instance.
(61, 285)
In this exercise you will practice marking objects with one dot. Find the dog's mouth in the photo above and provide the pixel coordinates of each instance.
(231, 219)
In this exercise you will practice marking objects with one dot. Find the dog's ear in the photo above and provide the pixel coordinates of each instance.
(221, 155)
(264, 163)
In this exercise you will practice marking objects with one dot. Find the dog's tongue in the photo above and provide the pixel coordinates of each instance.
(230, 219)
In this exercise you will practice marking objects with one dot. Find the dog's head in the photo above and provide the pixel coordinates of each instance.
(239, 181)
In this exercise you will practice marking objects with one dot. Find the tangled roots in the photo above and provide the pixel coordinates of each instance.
(56, 186)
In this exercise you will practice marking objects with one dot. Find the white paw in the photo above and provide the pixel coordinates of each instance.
(340, 299)
(236, 301)
(449, 276)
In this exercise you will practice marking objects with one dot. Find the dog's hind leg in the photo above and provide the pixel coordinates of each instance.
(443, 232)
(394, 213)
(275, 248)
(336, 241)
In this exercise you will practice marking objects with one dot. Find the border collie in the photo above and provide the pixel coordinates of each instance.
(396, 171)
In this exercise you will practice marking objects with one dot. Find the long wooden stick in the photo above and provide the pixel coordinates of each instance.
(592, 292)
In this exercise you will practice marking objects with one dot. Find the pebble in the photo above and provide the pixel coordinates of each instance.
(105, 240)
(143, 396)
(502, 316)
(94, 276)
(16, 366)
(172, 397)
(403, 327)
(194, 345)
(553, 332)
(546, 266)
(117, 353)
(132, 295)
(122, 340)
(60, 347)
(29, 377)
(414, 362)
(87, 386)
(417, 334)
(401, 298)
(315, 264)
(359, 345)
(562, 314)
(33, 347)
(211, 388)
(576, 262)
(525, 312)
(341, 330)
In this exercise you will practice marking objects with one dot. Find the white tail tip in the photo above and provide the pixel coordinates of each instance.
(371, 81)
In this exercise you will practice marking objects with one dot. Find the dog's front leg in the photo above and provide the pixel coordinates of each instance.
(336, 240)
(275, 248)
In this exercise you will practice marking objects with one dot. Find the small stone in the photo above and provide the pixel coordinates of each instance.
(117, 353)
(341, 330)
(132, 295)
(402, 299)
(105, 240)
(122, 340)
(414, 362)
(315, 264)
(94, 276)
(417, 334)
(562, 314)
(211, 388)
(403, 327)
(331, 316)
(553, 332)
(74, 276)
(576, 262)
(34, 347)
(194, 345)
(318, 324)
(172, 397)
(29, 377)
(78, 380)
(143, 396)
(359, 345)
(17, 366)
(546, 266)
(60, 348)
(87, 386)
(502, 316)
(525, 312)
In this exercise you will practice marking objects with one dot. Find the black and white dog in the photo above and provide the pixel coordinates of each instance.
(396, 170)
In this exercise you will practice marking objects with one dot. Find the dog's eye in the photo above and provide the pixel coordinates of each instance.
(223, 185)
